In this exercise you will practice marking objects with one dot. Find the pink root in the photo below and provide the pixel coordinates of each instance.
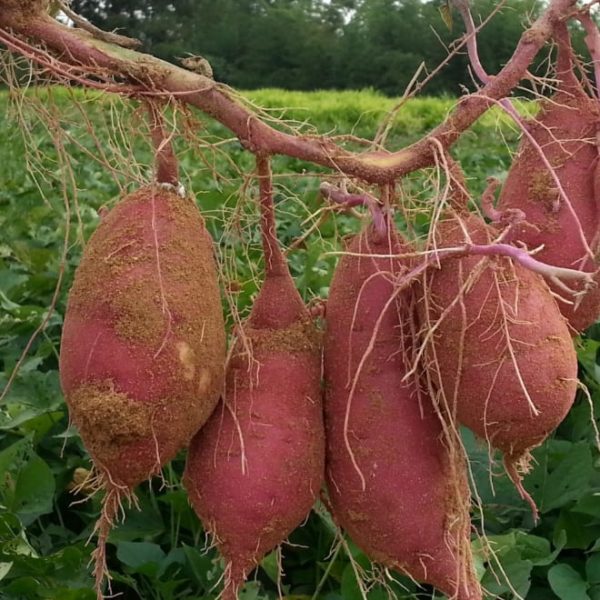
(274, 260)
(234, 579)
(555, 274)
(508, 217)
(512, 471)
(348, 200)
(111, 506)
(465, 13)
(167, 167)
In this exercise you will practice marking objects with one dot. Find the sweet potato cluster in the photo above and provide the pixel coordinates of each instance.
(375, 430)
(363, 412)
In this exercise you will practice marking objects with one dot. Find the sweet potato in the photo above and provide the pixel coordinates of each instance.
(565, 130)
(256, 468)
(502, 352)
(143, 345)
(393, 483)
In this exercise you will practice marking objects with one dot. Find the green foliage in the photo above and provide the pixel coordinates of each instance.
(159, 552)
(314, 44)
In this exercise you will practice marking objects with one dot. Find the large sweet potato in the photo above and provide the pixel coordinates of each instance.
(143, 345)
(394, 485)
(501, 351)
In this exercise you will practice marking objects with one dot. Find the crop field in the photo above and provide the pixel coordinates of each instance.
(65, 157)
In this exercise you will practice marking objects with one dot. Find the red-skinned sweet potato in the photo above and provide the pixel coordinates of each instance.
(501, 351)
(393, 483)
(143, 346)
(565, 130)
(256, 468)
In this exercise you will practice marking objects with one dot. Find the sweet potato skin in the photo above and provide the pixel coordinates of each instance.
(482, 375)
(401, 518)
(255, 470)
(143, 345)
(565, 129)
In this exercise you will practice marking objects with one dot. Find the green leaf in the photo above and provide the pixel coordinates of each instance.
(592, 569)
(479, 562)
(494, 491)
(178, 503)
(515, 574)
(143, 524)
(270, 564)
(24, 587)
(535, 549)
(12, 458)
(250, 591)
(175, 557)
(7, 304)
(498, 544)
(25, 415)
(13, 540)
(142, 557)
(580, 530)
(68, 594)
(559, 539)
(563, 474)
(5, 567)
(34, 491)
(588, 505)
(350, 588)
(567, 583)
(325, 517)
(201, 566)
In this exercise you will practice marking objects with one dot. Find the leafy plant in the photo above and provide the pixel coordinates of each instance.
(49, 209)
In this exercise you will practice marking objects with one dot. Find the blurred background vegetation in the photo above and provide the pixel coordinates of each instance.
(317, 44)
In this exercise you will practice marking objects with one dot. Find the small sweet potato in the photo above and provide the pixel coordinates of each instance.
(256, 468)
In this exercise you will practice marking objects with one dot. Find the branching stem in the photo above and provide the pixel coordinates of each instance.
(565, 68)
(107, 36)
(275, 263)
(154, 77)
(167, 168)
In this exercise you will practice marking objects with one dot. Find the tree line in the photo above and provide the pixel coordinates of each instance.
(317, 44)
